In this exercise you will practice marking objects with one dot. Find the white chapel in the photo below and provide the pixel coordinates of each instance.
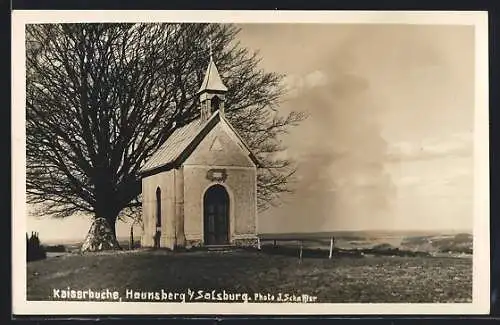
(200, 187)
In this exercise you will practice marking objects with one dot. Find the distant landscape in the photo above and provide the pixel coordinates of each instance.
(429, 242)
(434, 243)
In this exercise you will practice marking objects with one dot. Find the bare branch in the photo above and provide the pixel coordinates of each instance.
(102, 98)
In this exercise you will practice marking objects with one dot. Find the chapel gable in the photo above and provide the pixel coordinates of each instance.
(222, 148)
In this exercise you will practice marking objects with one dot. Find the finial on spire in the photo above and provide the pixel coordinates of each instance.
(212, 82)
(210, 47)
(212, 90)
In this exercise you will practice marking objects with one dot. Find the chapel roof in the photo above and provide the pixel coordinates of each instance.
(212, 80)
(182, 142)
(173, 146)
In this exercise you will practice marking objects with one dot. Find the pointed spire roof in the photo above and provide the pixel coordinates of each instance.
(212, 80)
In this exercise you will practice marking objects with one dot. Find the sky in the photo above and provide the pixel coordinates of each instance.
(388, 141)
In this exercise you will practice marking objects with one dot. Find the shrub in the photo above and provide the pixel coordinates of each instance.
(34, 250)
(415, 240)
(463, 238)
(383, 246)
(55, 248)
(351, 238)
(456, 249)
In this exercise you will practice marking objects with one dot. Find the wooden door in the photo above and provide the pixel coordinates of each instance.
(216, 216)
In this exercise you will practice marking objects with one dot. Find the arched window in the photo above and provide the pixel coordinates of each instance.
(158, 207)
(215, 103)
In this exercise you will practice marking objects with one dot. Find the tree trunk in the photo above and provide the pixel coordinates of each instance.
(112, 223)
(101, 236)
(108, 208)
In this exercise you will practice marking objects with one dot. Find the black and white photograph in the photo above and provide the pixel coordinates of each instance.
(250, 162)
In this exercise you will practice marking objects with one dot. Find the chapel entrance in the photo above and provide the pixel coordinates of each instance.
(216, 216)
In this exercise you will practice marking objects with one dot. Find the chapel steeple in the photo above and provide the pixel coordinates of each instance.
(212, 91)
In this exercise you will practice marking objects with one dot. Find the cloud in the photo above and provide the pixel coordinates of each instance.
(296, 84)
(455, 145)
(452, 178)
(409, 180)
(315, 79)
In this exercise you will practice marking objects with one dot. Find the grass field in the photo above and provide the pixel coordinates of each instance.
(378, 279)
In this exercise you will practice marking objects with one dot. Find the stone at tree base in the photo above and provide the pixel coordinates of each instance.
(100, 237)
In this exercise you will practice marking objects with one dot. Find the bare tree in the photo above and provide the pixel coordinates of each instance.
(101, 98)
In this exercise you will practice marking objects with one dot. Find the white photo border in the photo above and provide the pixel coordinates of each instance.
(481, 257)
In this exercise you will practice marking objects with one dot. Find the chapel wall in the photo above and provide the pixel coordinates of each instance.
(164, 180)
(240, 184)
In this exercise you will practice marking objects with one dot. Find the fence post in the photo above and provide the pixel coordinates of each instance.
(331, 248)
(131, 239)
(300, 254)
